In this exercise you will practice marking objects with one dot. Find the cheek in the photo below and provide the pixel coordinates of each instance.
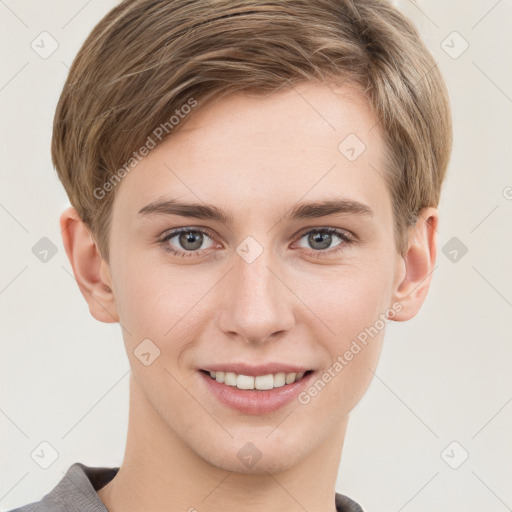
(351, 306)
(346, 299)
(162, 303)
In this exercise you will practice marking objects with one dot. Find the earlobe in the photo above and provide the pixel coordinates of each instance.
(417, 265)
(91, 272)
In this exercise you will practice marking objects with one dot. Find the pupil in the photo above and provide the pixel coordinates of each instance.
(322, 238)
(188, 238)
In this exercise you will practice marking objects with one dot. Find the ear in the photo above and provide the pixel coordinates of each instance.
(417, 265)
(92, 273)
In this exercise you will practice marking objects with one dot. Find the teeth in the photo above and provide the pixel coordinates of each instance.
(229, 379)
(261, 382)
(279, 380)
(244, 382)
(264, 382)
(290, 377)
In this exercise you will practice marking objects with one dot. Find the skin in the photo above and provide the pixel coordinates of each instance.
(256, 158)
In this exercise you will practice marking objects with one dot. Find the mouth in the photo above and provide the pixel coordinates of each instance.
(256, 390)
(256, 382)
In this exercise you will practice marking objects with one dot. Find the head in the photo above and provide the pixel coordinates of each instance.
(249, 111)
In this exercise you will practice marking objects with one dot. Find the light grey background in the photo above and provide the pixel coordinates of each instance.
(444, 376)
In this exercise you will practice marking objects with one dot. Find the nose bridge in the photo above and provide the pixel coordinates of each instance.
(257, 304)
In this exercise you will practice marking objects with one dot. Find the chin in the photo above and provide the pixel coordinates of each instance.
(269, 463)
(255, 455)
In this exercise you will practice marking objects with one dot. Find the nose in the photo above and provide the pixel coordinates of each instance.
(257, 306)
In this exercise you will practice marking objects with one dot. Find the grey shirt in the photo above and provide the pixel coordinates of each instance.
(76, 492)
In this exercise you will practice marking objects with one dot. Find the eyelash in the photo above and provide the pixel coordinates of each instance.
(346, 240)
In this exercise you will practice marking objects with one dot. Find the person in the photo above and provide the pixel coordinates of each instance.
(254, 190)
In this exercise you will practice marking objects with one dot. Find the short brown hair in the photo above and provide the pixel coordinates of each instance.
(147, 58)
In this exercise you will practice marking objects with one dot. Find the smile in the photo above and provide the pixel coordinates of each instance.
(258, 382)
(262, 392)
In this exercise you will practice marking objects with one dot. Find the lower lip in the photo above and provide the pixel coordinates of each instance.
(253, 401)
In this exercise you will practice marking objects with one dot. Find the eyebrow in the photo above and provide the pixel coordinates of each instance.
(306, 210)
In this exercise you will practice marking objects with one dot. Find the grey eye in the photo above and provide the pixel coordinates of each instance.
(320, 239)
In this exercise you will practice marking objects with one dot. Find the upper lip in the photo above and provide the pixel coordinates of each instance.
(255, 370)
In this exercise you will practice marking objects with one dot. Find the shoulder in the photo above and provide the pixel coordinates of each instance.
(345, 504)
(51, 502)
(38, 506)
(76, 491)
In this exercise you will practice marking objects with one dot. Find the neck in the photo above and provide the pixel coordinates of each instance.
(160, 472)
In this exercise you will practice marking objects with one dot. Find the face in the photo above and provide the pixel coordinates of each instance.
(254, 280)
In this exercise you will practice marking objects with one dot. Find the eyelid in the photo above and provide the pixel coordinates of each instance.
(171, 233)
(339, 231)
(176, 231)
(347, 240)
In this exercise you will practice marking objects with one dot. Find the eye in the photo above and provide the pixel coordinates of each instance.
(323, 238)
(189, 242)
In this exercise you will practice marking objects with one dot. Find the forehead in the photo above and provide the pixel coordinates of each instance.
(255, 153)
